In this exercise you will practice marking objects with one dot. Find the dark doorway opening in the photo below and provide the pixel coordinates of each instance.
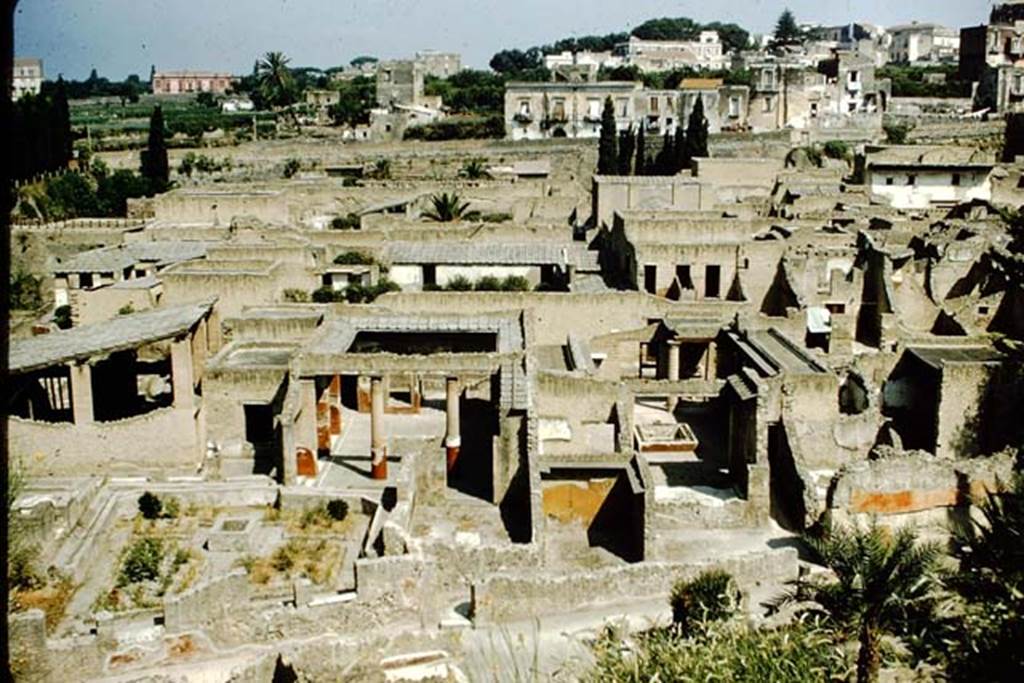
(651, 279)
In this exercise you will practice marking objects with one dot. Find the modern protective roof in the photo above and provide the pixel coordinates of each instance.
(118, 334)
(925, 156)
(112, 259)
(938, 356)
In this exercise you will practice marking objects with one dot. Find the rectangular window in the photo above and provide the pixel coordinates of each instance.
(654, 104)
(85, 280)
(651, 279)
(623, 107)
(524, 107)
(683, 275)
(712, 282)
(559, 110)
(956, 180)
(836, 309)
(911, 180)
(734, 107)
(594, 109)
(854, 76)
(889, 181)
(769, 104)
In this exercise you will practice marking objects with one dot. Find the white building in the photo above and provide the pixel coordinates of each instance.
(27, 77)
(663, 55)
(921, 177)
(914, 42)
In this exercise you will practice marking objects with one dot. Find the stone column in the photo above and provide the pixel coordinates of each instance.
(710, 361)
(181, 373)
(453, 438)
(81, 393)
(378, 440)
(672, 370)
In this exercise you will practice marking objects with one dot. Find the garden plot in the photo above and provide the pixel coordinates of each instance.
(166, 548)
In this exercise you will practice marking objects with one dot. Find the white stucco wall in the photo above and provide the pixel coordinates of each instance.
(930, 187)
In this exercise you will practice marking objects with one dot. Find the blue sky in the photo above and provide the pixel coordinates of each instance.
(119, 37)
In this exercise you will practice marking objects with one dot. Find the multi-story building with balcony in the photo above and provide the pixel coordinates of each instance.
(993, 56)
(183, 82)
(916, 43)
(27, 77)
(535, 111)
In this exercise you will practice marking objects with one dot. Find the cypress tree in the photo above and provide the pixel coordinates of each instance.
(154, 157)
(627, 146)
(59, 116)
(679, 160)
(696, 133)
(640, 167)
(663, 161)
(607, 150)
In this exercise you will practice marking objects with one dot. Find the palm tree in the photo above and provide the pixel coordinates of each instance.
(447, 208)
(274, 80)
(883, 581)
(474, 169)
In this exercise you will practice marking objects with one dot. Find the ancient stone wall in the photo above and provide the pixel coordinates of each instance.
(509, 597)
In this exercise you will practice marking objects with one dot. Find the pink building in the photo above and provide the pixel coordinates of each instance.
(174, 82)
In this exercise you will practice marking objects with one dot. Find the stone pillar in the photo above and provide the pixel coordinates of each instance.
(672, 371)
(335, 405)
(181, 373)
(452, 438)
(710, 361)
(378, 440)
(81, 393)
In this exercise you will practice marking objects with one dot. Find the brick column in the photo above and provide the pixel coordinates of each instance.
(453, 438)
(81, 392)
(378, 440)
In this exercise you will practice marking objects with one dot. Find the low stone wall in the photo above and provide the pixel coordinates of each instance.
(679, 514)
(165, 439)
(505, 597)
(206, 602)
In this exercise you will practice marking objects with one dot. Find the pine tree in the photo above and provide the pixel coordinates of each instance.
(627, 147)
(786, 30)
(154, 157)
(696, 133)
(607, 150)
(640, 167)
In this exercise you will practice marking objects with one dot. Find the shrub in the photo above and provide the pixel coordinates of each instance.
(172, 508)
(150, 506)
(725, 652)
(459, 283)
(347, 222)
(141, 562)
(458, 129)
(337, 509)
(291, 167)
(296, 296)
(515, 283)
(496, 217)
(711, 596)
(353, 258)
(325, 295)
(381, 170)
(488, 283)
(897, 133)
(836, 149)
(127, 309)
(62, 316)
(25, 293)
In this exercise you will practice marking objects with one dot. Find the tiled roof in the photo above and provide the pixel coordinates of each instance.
(119, 334)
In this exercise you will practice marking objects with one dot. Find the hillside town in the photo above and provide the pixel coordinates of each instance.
(675, 354)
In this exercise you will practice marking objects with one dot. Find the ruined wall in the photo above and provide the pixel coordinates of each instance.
(219, 208)
(509, 597)
(916, 488)
(206, 602)
(168, 439)
(672, 193)
(98, 305)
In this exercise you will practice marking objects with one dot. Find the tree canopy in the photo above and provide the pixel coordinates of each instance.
(733, 37)
(786, 29)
